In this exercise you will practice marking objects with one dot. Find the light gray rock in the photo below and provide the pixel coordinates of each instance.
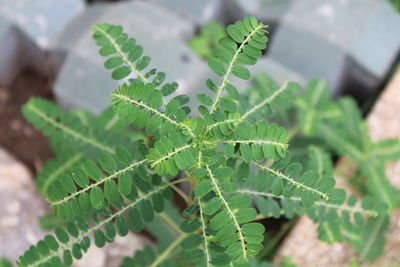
(8, 52)
(268, 11)
(84, 83)
(199, 11)
(318, 38)
(267, 65)
(122, 247)
(41, 20)
(16, 52)
(111, 255)
(277, 71)
(20, 209)
(309, 54)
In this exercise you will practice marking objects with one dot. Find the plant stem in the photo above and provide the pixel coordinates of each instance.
(168, 251)
(181, 193)
(170, 223)
(276, 238)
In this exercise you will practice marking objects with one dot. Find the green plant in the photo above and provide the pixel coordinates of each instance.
(5, 263)
(109, 179)
(396, 4)
(204, 43)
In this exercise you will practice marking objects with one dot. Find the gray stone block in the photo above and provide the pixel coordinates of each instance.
(366, 30)
(277, 71)
(84, 83)
(198, 11)
(268, 11)
(16, 52)
(8, 52)
(267, 65)
(41, 20)
(308, 54)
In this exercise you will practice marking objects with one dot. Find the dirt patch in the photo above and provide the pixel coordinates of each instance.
(16, 135)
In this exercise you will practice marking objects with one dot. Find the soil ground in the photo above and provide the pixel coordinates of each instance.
(17, 136)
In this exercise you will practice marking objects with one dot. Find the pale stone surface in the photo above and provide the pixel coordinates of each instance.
(198, 11)
(276, 70)
(269, 11)
(41, 20)
(302, 244)
(365, 29)
(122, 247)
(20, 209)
(339, 40)
(16, 52)
(112, 254)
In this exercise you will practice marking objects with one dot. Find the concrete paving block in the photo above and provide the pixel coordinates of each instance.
(277, 71)
(308, 54)
(17, 51)
(366, 30)
(41, 20)
(199, 11)
(268, 11)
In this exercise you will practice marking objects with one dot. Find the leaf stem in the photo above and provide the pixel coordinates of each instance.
(97, 226)
(154, 111)
(230, 212)
(266, 101)
(105, 179)
(167, 252)
(276, 238)
(70, 131)
(119, 51)
(230, 67)
(318, 203)
(203, 226)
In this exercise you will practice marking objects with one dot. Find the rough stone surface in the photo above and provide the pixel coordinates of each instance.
(271, 67)
(365, 29)
(41, 20)
(276, 70)
(112, 254)
(20, 209)
(16, 52)
(84, 83)
(199, 11)
(315, 37)
(302, 244)
(122, 247)
(309, 54)
(269, 11)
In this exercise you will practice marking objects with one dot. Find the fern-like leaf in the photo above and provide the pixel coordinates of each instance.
(73, 241)
(47, 117)
(243, 46)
